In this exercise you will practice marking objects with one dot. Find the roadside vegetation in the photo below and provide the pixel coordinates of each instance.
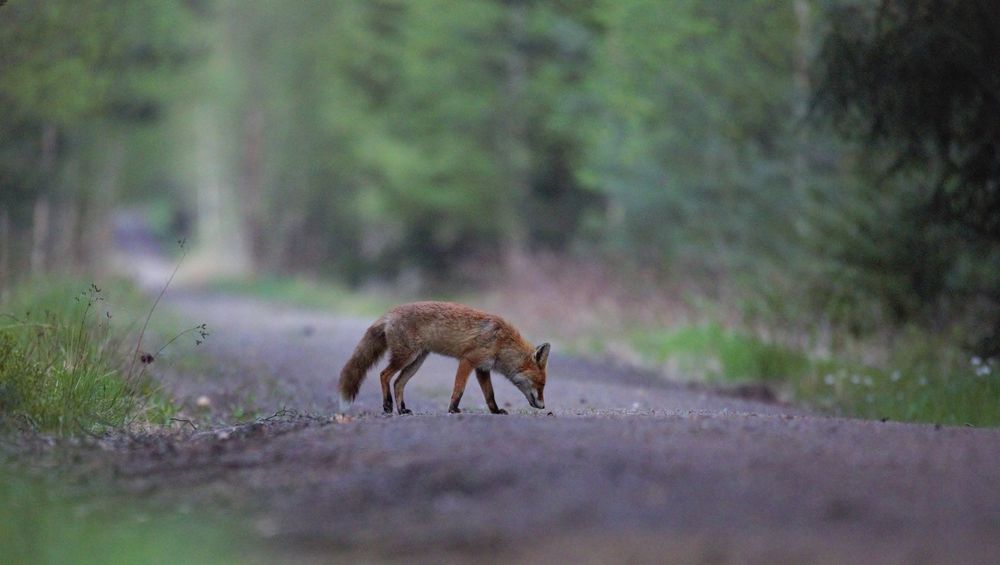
(71, 361)
(920, 379)
(72, 364)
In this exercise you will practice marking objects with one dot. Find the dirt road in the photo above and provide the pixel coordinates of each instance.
(629, 468)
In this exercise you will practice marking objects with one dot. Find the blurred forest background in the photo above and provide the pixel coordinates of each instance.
(815, 173)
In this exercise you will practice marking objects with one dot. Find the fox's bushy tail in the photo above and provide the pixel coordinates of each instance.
(367, 353)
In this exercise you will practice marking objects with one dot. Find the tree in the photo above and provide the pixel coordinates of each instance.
(72, 71)
(406, 135)
(916, 81)
(689, 133)
(919, 78)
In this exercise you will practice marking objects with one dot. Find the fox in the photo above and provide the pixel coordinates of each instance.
(482, 342)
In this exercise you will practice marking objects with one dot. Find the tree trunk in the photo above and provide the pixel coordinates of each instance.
(514, 139)
(4, 253)
(95, 236)
(803, 42)
(221, 246)
(41, 212)
(251, 181)
(221, 243)
(69, 217)
(39, 235)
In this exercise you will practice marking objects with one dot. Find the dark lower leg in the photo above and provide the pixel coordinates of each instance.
(487, 385)
(384, 378)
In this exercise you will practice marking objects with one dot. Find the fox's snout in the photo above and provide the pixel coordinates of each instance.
(534, 396)
(535, 400)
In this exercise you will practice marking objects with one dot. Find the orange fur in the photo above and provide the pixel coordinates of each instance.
(479, 340)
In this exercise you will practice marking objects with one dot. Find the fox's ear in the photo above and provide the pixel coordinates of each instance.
(542, 355)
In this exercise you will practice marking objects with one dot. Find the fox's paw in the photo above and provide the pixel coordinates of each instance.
(454, 410)
(403, 411)
(500, 411)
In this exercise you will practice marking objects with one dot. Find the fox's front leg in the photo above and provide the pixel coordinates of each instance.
(487, 385)
(461, 377)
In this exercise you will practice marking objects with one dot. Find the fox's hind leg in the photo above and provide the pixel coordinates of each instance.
(405, 376)
(396, 362)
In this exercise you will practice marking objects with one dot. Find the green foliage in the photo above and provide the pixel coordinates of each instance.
(690, 138)
(919, 76)
(923, 379)
(63, 366)
(43, 522)
(915, 81)
(719, 354)
(79, 79)
(410, 135)
(938, 385)
(69, 61)
(885, 261)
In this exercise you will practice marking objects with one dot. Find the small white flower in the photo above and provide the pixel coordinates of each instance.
(869, 381)
(922, 381)
(895, 376)
(976, 361)
(855, 379)
(828, 379)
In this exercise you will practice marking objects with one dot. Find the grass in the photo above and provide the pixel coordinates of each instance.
(923, 379)
(44, 521)
(717, 354)
(66, 362)
(304, 292)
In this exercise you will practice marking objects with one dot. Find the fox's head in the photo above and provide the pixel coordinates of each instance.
(530, 376)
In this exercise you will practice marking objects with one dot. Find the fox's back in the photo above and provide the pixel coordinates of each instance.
(448, 328)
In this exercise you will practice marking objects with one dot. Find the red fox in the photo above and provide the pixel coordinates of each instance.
(480, 341)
